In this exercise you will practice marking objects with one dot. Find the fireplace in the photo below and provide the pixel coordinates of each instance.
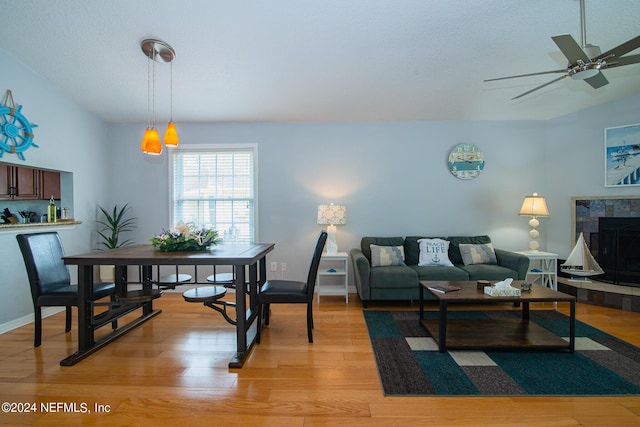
(616, 247)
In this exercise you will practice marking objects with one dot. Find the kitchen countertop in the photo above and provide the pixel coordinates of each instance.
(39, 224)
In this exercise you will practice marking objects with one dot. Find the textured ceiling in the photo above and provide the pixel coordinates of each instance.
(312, 60)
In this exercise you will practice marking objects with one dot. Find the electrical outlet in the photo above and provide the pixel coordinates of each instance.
(283, 266)
(274, 266)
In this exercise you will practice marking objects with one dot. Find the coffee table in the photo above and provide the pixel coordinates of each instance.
(493, 333)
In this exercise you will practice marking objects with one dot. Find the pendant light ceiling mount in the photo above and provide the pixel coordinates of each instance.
(157, 51)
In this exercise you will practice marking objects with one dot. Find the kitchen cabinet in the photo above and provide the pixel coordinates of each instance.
(49, 185)
(18, 183)
(22, 183)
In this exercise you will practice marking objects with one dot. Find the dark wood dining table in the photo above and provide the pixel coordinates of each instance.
(241, 257)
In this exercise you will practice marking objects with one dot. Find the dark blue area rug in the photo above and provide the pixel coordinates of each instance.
(409, 362)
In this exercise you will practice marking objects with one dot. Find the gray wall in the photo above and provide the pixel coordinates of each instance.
(392, 176)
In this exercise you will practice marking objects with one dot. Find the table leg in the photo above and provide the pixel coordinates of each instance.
(147, 279)
(241, 318)
(525, 311)
(572, 327)
(85, 287)
(442, 327)
(421, 303)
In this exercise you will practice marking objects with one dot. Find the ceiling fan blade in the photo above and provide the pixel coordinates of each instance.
(570, 49)
(597, 81)
(620, 50)
(526, 75)
(625, 60)
(541, 86)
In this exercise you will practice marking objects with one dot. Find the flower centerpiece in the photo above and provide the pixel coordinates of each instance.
(185, 237)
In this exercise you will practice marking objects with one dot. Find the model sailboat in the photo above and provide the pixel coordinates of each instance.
(580, 262)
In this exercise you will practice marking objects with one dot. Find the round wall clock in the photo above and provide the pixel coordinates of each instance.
(16, 133)
(466, 161)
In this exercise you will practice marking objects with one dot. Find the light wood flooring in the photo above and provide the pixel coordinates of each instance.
(172, 371)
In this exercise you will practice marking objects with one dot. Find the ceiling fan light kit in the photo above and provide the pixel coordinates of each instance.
(586, 62)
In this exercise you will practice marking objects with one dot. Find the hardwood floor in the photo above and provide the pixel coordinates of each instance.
(173, 371)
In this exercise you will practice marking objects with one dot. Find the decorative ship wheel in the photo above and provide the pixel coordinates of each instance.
(16, 133)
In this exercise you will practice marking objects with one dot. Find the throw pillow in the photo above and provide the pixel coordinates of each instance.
(434, 252)
(478, 254)
(382, 256)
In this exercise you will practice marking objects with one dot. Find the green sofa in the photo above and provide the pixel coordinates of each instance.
(400, 282)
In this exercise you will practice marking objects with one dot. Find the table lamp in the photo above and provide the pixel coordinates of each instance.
(332, 215)
(534, 206)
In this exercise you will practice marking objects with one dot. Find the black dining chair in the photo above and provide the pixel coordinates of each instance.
(49, 278)
(291, 292)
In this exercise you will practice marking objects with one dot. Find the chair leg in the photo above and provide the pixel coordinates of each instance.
(267, 312)
(114, 324)
(310, 322)
(37, 336)
(259, 325)
(67, 324)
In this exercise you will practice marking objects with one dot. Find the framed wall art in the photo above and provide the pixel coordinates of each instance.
(622, 156)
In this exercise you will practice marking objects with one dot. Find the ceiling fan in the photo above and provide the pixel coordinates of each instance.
(586, 62)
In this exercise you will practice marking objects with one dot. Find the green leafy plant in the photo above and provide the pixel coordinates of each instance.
(113, 225)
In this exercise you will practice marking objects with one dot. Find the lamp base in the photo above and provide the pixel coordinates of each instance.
(332, 241)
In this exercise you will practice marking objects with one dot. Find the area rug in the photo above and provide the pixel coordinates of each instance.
(409, 362)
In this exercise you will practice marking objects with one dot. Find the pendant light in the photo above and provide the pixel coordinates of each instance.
(156, 51)
(171, 135)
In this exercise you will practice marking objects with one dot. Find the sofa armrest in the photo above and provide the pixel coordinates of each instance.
(514, 261)
(362, 268)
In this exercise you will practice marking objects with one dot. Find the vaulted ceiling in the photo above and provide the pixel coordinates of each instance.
(318, 60)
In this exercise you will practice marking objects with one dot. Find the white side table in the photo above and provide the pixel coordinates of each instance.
(333, 275)
(544, 265)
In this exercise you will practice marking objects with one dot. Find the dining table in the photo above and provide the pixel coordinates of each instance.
(247, 260)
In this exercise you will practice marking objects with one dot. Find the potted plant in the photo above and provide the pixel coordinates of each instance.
(112, 225)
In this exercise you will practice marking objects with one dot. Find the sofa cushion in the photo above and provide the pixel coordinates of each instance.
(412, 248)
(382, 256)
(397, 276)
(434, 252)
(454, 245)
(366, 242)
(477, 254)
(488, 272)
(436, 273)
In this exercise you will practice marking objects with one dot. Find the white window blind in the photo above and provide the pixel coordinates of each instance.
(215, 188)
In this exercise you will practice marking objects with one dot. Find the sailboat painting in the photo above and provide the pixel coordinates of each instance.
(581, 263)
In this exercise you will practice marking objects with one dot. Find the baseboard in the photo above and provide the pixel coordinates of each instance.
(25, 320)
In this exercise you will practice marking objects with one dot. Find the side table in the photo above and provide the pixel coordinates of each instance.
(333, 275)
(544, 265)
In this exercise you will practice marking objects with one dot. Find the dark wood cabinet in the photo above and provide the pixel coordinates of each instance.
(50, 185)
(19, 183)
(22, 183)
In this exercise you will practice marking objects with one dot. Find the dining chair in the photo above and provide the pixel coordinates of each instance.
(49, 278)
(279, 291)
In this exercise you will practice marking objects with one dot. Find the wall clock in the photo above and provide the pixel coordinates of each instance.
(16, 133)
(466, 161)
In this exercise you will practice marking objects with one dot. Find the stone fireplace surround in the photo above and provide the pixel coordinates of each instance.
(585, 213)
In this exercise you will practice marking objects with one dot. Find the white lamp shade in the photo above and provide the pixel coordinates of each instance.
(534, 206)
(332, 214)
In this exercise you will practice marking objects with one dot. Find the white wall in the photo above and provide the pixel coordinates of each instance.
(392, 176)
(69, 139)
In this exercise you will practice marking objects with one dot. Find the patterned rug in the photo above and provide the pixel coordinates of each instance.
(409, 362)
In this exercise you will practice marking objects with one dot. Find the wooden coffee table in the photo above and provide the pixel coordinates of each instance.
(492, 333)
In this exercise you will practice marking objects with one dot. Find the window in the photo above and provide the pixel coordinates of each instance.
(215, 187)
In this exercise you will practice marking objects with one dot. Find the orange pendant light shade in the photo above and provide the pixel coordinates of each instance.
(171, 136)
(145, 141)
(151, 142)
